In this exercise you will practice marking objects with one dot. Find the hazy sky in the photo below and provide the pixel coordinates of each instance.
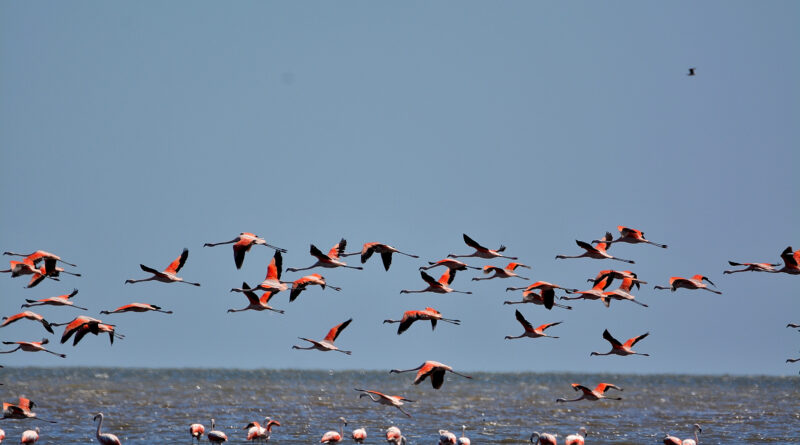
(130, 130)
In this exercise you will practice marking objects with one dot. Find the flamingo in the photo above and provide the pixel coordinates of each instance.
(256, 303)
(506, 272)
(300, 284)
(196, 430)
(433, 369)
(623, 292)
(216, 436)
(440, 287)
(691, 71)
(530, 331)
(169, 275)
(105, 438)
(21, 410)
(385, 250)
(40, 255)
(262, 433)
(2, 435)
(80, 326)
(429, 313)
(30, 316)
(696, 282)
(41, 274)
(616, 275)
(792, 360)
(60, 300)
(334, 436)
(447, 438)
(623, 349)
(463, 440)
(542, 439)
(395, 436)
(632, 236)
(791, 262)
(359, 435)
(577, 438)
(672, 440)
(793, 325)
(24, 267)
(330, 260)
(448, 263)
(384, 399)
(136, 307)
(272, 282)
(546, 298)
(30, 436)
(482, 252)
(242, 245)
(31, 346)
(593, 394)
(755, 267)
(595, 293)
(597, 252)
(326, 344)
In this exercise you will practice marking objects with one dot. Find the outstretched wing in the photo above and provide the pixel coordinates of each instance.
(251, 296)
(634, 340)
(428, 279)
(549, 297)
(336, 330)
(387, 259)
(609, 338)
(525, 323)
(338, 249)
(603, 387)
(547, 325)
(367, 251)
(472, 243)
(318, 253)
(585, 246)
(175, 266)
(437, 378)
(448, 276)
(275, 267)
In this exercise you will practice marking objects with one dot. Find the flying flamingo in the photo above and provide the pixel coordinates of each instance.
(447, 438)
(616, 275)
(623, 349)
(463, 440)
(30, 436)
(326, 344)
(482, 252)
(623, 292)
(793, 325)
(30, 316)
(433, 369)
(791, 262)
(80, 326)
(30, 346)
(384, 399)
(450, 264)
(792, 360)
(256, 303)
(300, 284)
(385, 250)
(506, 272)
(577, 438)
(216, 436)
(40, 255)
(60, 300)
(409, 317)
(196, 430)
(21, 410)
(546, 298)
(696, 282)
(136, 307)
(440, 287)
(672, 440)
(330, 260)
(334, 436)
(24, 267)
(395, 436)
(41, 274)
(169, 275)
(272, 282)
(530, 331)
(359, 435)
(632, 236)
(595, 293)
(593, 394)
(242, 245)
(105, 438)
(755, 267)
(261, 433)
(597, 252)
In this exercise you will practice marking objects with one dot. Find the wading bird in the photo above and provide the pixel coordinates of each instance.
(450, 264)
(384, 399)
(359, 435)
(385, 250)
(105, 438)
(440, 287)
(242, 245)
(256, 303)
(300, 284)
(631, 236)
(463, 440)
(482, 252)
(136, 307)
(755, 267)
(261, 433)
(30, 436)
(592, 394)
(577, 438)
(430, 368)
(597, 251)
(197, 430)
(447, 438)
(326, 344)
(595, 293)
(395, 436)
(30, 346)
(530, 331)
(216, 436)
(672, 440)
(169, 275)
(429, 313)
(27, 315)
(60, 300)
(623, 349)
(21, 410)
(506, 272)
(791, 262)
(330, 260)
(542, 439)
(334, 436)
(696, 282)
(272, 282)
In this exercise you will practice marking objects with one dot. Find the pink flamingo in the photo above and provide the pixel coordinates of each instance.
(242, 245)
(593, 394)
(482, 252)
(385, 250)
(530, 331)
(440, 287)
(169, 275)
(598, 252)
(330, 260)
(623, 349)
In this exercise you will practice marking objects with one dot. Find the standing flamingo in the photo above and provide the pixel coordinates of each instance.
(447, 438)
(577, 438)
(216, 436)
(506, 272)
(197, 430)
(440, 287)
(256, 303)
(463, 440)
(395, 436)
(31, 346)
(272, 282)
(755, 267)
(359, 435)
(593, 394)
(409, 317)
(696, 282)
(242, 245)
(632, 236)
(300, 284)
(60, 300)
(597, 251)
(450, 264)
(30, 436)
(542, 439)
(261, 433)
(330, 260)
(334, 436)
(530, 331)
(482, 252)
(326, 344)
(136, 307)
(30, 316)
(169, 275)
(105, 438)
(623, 349)
(384, 399)
(672, 440)
(791, 262)
(385, 250)
(433, 369)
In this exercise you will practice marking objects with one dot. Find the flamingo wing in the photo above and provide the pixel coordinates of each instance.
(525, 323)
(634, 340)
(603, 387)
(547, 325)
(548, 297)
(386, 257)
(367, 251)
(318, 253)
(151, 270)
(472, 243)
(336, 330)
(239, 249)
(427, 369)
(338, 249)
(251, 296)
(267, 296)
(408, 319)
(585, 246)
(437, 378)
(789, 258)
(275, 267)
(614, 342)
(428, 279)
(448, 276)
(175, 266)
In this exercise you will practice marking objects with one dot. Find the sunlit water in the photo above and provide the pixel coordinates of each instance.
(157, 406)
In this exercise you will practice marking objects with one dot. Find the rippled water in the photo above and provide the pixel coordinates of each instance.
(145, 406)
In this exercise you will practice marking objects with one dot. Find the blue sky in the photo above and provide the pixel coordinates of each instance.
(131, 130)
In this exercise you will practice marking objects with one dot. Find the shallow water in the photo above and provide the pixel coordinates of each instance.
(146, 405)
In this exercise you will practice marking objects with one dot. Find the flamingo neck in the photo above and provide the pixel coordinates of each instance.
(99, 425)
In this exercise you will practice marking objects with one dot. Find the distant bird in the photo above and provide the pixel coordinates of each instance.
(595, 293)
(450, 264)
(691, 71)
(542, 439)
(30, 316)
(440, 287)
(169, 275)
(261, 433)
(30, 346)
(696, 282)
(593, 394)
(326, 344)
(197, 430)
(359, 435)
(577, 438)
(672, 440)
(384, 399)
(546, 298)
(50, 260)
(395, 436)
(21, 410)
(530, 331)
(300, 284)
(631, 236)
(755, 267)
(506, 272)
(80, 326)
(793, 325)
(60, 300)
(256, 303)
(105, 438)
(137, 307)
(30, 436)
(272, 282)
(447, 438)
(597, 251)
(463, 440)
(792, 360)
(242, 245)
(334, 436)
(482, 252)
(623, 292)
(385, 250)
(429, 313)
(623, 349)
(791, 262)
(433, 369)
(216, 436)
(330, 260)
